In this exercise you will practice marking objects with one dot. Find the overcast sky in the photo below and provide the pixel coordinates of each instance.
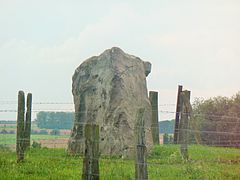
(195, 43)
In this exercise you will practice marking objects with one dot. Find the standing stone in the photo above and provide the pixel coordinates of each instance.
(108, 90)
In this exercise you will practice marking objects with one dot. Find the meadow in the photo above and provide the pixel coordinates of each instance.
(10, 139)
(164, 162)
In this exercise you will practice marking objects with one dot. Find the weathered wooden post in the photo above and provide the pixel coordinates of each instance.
(178, 109)
(153, 97)
(141, 172)
(27, 127)
(20, 127)
(91, 156)
(184, 121)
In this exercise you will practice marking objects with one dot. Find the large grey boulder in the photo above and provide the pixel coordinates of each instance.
(108, 90)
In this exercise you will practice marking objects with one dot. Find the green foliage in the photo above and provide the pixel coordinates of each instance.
(8, 122)
(4, 131)
(167, 127)
(55, 120)
(167, 139)
(42, 131)
(219, 115)
(55, 132)
(4, 147)
(36, 144)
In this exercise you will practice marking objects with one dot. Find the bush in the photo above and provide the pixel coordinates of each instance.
(167, 139)
(11, 132)
(4, 147)
(4, 131)
(36, 145)
(55, 132)
(45, 132)
(34, 132)
(218, 115)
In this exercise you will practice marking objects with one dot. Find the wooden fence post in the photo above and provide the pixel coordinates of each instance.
(91, 156)
(153, 97)
(184, 121)
(178, 109)
(27, 127)
(20, 127)
(141, 172)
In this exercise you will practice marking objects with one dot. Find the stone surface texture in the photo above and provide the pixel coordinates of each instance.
(108, 90)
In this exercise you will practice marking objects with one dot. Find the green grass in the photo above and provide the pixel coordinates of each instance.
(164, 162)
(8, 139)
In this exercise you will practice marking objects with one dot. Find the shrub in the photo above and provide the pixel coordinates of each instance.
(4, 147)
(4, 131)
(167, 139)
(55, 132)
(36, 144)
(43, 132)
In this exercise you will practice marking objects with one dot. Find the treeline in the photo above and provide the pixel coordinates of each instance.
(8, 122)
(55, 120)
(166, 127)
(64, 120)
(217, 121)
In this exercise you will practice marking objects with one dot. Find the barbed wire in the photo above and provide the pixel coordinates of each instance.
(204, 115)
(110, 159)
(146, 127)
(71, 103)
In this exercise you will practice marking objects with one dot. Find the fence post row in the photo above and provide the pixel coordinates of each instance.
(141, 172)
(153, 96)
(178, 109)
(23, 125)
(184, 122)
(91, 156)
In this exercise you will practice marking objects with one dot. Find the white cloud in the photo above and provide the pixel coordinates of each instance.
(196, 45)
(109, 31)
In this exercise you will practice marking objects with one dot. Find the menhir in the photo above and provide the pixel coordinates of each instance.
(108, 90)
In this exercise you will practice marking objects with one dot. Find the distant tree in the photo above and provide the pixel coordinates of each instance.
(217, 119)
(4, 131)
(43, 132)
(7, 122)
(167, 127)
(171, 139)
(167, 139)
(36, 145)
(11, 132)
(55, 120)
(55, 132)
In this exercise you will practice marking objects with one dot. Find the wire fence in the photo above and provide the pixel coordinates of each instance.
(114, 166)
(235, 120)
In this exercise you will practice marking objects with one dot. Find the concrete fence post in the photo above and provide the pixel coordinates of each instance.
(20, 137)
(153, 97)
(178, 109)
(91, 156)
(141, 172)
(184, 123)
(27, 127)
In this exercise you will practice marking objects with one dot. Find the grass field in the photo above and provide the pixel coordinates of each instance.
(164, 162)
(9, 139)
